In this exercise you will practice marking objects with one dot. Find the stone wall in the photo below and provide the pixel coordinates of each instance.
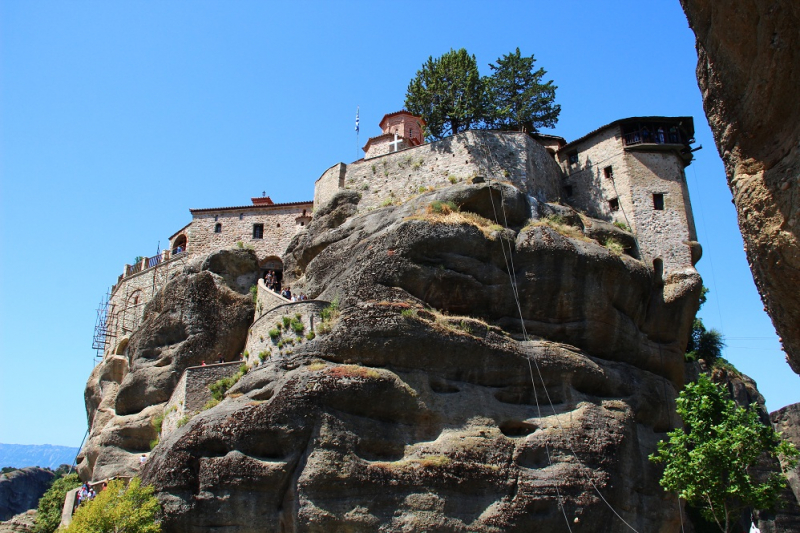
(129, 297)
(259, 340)
(326, 185)
(506, 156)
(280, 225)
(606, 171)
(266, 300)
(192, 392)
(666, 233)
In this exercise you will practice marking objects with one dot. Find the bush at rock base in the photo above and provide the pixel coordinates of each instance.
(119, 509)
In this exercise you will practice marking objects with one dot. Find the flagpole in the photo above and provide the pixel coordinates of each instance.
(357, 132)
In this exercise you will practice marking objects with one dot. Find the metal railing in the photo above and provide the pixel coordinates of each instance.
(656, 135)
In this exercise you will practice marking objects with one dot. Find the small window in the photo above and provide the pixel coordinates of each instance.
(613, 204)
(278, 226)
(302, 223)
(258, 231)
(218, 228)
(216, 217)
(241, 216)
(573, 157)
(658, 202)
(609, 173)
(568, 191)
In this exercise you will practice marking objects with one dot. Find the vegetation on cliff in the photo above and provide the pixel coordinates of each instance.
(708, 461)
(119, 509)
(48, 515)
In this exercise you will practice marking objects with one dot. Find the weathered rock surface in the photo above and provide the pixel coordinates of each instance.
(20, 490)
(21, 523)
(198, 316)
(787, 518)
(748, 70)
(401, 415)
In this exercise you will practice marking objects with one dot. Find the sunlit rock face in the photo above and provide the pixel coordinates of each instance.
(200, 315)
(435, 402)
(748, 70)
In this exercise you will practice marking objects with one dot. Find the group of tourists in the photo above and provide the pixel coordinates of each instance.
(274, 284)
(287, 293)
(85, 493)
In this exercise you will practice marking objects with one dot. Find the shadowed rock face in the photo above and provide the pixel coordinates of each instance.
(196, 317)
(21, 489)
(748, 70)
(402, 418)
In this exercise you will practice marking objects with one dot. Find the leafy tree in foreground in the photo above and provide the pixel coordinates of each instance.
(448, 93)
(119, 509)
(48, 516)
(707, 461)
(518, 99)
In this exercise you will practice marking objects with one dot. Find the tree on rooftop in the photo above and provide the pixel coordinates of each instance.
(708, 461)
(519, 99)
(448, 93)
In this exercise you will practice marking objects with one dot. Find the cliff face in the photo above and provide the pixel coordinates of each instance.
(748, 71)
(422, 406)
(20, 490)
(200, 315)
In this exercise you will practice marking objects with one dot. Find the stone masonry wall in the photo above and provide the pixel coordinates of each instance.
(124, 315)
(280, 225)
(326, 186)
(637, 174)
(515, 158)
(663, 233)
(591, 190)
(259, 340)
(266, 300)
(192, 392)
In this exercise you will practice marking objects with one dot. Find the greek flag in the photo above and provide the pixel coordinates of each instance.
(356, 119)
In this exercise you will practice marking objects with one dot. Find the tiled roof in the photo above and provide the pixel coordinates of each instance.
(401, 112)
(249, 207)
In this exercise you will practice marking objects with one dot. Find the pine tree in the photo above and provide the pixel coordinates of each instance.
(448, 94)
(518, 98)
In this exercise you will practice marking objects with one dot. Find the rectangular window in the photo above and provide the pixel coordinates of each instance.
(658, 202)
(573, 157)
(258, 231)
(613, 204)
(609, 173)
(568, 191)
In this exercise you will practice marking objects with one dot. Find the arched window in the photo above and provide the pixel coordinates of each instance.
(179, 244)
(218, 227)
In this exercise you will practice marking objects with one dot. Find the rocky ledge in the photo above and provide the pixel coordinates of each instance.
(476, 376)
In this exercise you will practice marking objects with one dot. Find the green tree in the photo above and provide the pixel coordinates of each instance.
(707, 461)
(518, 99)
(48, 516)
(447, 93)
(119, 509)
(704, 344)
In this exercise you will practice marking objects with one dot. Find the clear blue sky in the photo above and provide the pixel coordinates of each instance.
(117, 117)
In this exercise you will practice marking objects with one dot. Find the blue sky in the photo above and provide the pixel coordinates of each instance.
(117, 117)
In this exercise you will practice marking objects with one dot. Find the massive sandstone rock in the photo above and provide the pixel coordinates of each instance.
(200, 315)
(20, 490)
(748, 70)
(434, 402)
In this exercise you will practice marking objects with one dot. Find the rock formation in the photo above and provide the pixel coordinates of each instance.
(200, 315)
(435, 400)
(20, 490)
(21, 523)
(748, 70)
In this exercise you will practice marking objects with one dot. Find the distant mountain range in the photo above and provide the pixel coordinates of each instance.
(44, 455)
